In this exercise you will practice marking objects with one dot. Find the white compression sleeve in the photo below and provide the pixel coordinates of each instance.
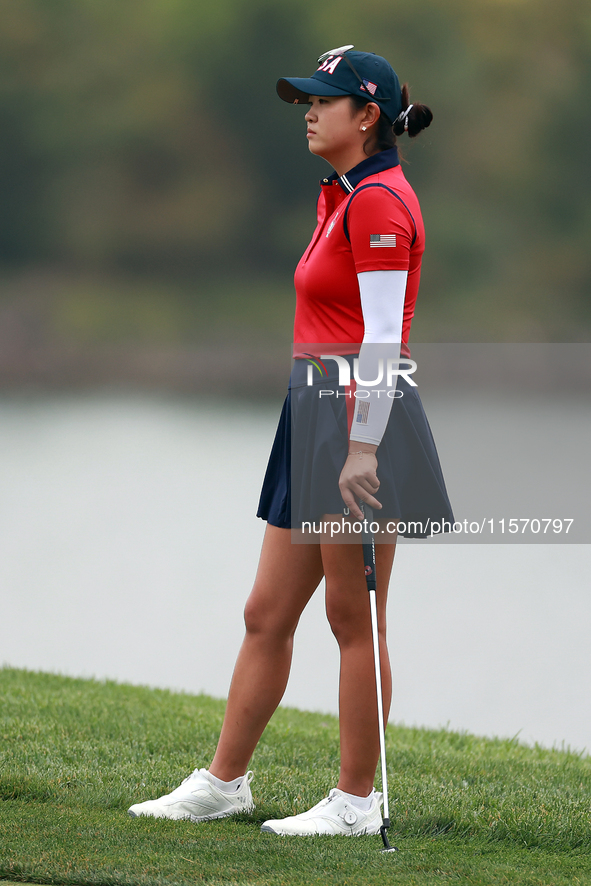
(382, 303)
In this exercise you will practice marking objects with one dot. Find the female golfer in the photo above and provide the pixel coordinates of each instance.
(352, 431)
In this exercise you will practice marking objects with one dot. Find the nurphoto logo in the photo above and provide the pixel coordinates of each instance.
(388, 372)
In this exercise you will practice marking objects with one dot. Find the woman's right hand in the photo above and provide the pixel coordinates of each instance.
(359, 480)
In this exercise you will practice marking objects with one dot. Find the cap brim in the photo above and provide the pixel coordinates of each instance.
(297, 89)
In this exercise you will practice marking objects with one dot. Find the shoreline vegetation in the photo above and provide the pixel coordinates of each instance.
(230, 337)
(121, 157)
(148, 235)
(75, 753)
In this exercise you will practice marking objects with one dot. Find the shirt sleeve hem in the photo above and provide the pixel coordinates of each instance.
(357, 438)
(385, 265)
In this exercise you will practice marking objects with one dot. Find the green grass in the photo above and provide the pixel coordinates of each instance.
(74, 754)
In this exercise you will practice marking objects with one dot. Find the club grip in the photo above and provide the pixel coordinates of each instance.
(369, 547)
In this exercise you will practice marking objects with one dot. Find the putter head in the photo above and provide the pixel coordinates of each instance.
(384, 835)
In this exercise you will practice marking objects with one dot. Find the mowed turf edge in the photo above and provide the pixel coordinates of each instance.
(76, 753)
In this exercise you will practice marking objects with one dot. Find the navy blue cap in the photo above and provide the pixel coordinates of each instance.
(344, 72)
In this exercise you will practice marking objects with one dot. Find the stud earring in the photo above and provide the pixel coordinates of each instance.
(364, 128)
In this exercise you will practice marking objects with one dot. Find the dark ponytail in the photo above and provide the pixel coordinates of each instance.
(418, 118)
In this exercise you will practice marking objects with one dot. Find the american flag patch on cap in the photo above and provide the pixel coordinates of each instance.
(382, 239)
(371, 87)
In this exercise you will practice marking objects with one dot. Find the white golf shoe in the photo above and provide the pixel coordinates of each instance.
(198, 799)
(333, 815)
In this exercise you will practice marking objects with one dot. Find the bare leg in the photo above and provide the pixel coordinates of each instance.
(286, 578)
(348, 611)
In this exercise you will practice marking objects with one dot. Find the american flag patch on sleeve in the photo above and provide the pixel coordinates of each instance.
(382, 239)
(362, 412)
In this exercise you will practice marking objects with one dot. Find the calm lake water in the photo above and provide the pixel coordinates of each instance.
(128, 543)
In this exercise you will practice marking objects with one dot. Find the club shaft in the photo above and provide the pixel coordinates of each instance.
(369, 559)
(376, 652)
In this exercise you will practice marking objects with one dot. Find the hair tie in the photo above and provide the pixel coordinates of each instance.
(403, 117)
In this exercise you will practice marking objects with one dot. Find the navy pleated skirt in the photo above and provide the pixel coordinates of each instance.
(311, 445)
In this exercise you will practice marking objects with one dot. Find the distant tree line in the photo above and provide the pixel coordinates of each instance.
(145, 136)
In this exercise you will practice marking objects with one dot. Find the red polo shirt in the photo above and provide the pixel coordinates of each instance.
(368, 220)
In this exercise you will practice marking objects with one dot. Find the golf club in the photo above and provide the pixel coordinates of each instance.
(369, 562)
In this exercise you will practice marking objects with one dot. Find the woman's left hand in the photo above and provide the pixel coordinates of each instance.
(359, 480)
